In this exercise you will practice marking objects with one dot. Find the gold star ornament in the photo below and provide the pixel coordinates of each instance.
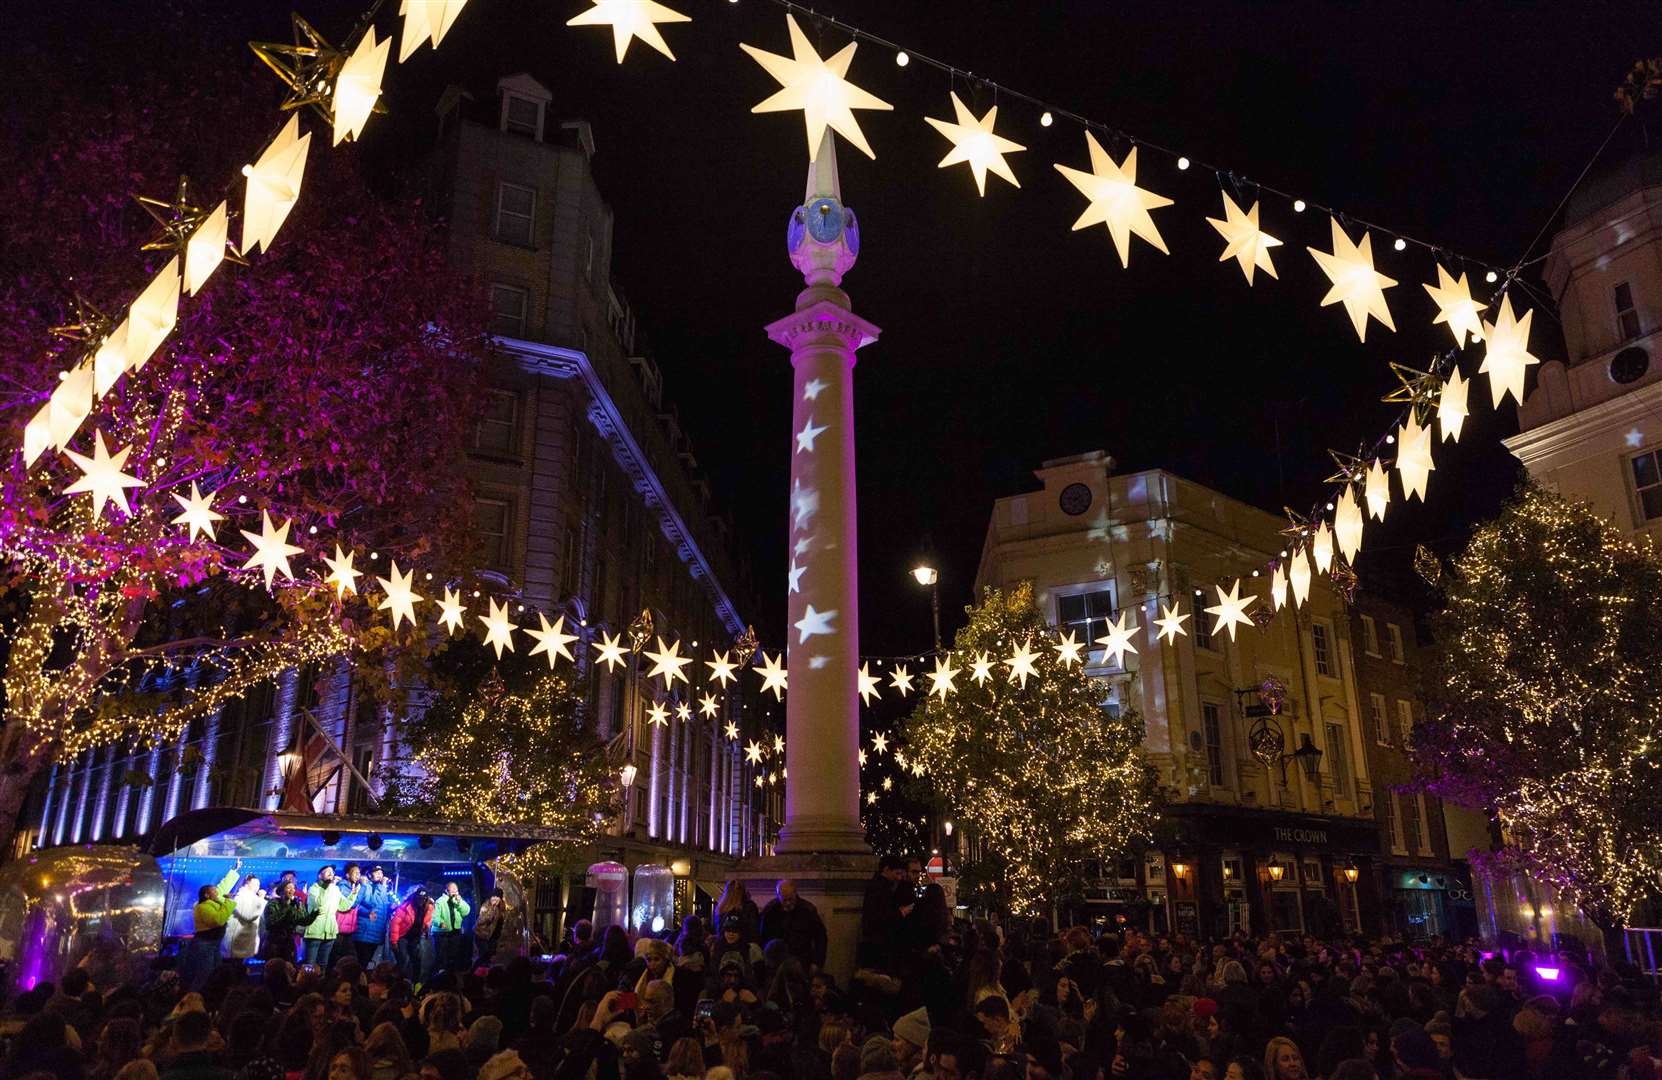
(631, 19)
(820, 88)
(975, 144)
(1115, 200)
(1355, 283)
(1244, 241)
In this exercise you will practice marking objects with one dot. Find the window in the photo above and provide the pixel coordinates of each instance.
(1203, 626)
(1627, 318)
(1381, 723)
(1322, 647)
(497, 431)
(1394, 632)
(492, 523)
(1211, 717)
(1341, 760)
(1393, 834)
(516, 210)
(508, 304)
(1647, 479)
(1413, 837)
(573, 563)
(1370, 635)
(1086, 614)
(1405, 722)
(522, 115)
(588, 256)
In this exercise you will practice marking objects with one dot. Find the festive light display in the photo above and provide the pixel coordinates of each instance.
(1114, 199)
(1117, 642)
(1230, 610)
(629, 20)
(1455, 307)
(975, 144)
(1451, 406)
(1506, 356)
(1046, 777)
(102, 478)
(1356, 284)
(1244, 241)
(818, 87)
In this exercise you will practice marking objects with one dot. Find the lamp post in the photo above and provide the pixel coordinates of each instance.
(927, 575)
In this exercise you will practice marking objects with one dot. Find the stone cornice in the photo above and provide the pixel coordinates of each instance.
(1585, 425)
(823, 318)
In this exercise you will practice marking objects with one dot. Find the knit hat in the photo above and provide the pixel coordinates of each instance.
(876, 1055)
(914, 1028)
(502, 1065)
(486, 1031)
(1415, 1049)
(1205, 1008)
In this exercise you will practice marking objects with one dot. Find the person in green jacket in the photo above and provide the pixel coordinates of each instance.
(325, 898)
(214, 904)
(450, 945)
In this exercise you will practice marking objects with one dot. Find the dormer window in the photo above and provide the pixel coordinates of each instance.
(522, 115)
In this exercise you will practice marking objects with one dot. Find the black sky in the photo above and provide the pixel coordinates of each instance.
(1007, 338)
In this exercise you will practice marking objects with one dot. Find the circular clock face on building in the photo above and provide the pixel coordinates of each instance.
(825, 220)
(1076, 499)
(1629, 365)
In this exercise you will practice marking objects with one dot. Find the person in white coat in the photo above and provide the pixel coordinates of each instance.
(242, 930)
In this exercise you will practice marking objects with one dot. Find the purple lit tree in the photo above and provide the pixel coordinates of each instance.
(333, 381)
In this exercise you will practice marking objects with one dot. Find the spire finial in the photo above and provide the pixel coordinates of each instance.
(822, 171)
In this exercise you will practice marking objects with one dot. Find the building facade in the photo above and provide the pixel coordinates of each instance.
(1248, 842)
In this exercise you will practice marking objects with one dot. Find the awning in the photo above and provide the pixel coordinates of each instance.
(243, 833)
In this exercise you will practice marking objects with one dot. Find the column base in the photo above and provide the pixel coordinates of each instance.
(806, 835)
(833, 881)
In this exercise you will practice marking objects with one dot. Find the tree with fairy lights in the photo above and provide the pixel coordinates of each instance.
(1035, 768)
(330, 383)
(1546, 700)
(518, 753)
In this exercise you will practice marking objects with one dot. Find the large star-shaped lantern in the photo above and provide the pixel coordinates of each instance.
(1244, 241)
(940, 680)
(667, 662)
(271, 549)
(552, 639)
(1455, 306)
(631, 19)
(1118, 640)
(1021, 663)
(1451, 406)
(499, 629)
(1115, 200)
(1230, 611)
(102, 478)
(451, 611)
(1506, 357)
(1356, 284)
(820, 88)
(1170, 623)
(869, 684)
(199, 515)
(610, 649)
(974, 143)
(1413, 463)
(901, 679)
(400, 597)
(774, 675)
(341, 574)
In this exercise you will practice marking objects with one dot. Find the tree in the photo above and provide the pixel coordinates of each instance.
(331, 382)
(1044, 776)
(498, 756)
(1546, 704)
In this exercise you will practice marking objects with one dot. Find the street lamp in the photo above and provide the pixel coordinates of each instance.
(927, 575)
(1277, 871)
(946, 826)
(1308, 756)
(1351, 873)
(627, 775)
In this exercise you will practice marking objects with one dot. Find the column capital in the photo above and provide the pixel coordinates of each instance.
(823, 323)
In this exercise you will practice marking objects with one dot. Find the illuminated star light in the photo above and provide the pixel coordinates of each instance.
(424, 21)
(499, 629)
(709, 706)
(1356, 284)
(940, 680)
(753, 752)
(1455, 307)
(1506, 357)
(1244, 241)
(631, 19)
(1021, 663)
(400, 598)
(1377, 491)
(552, 640)
(683, 712)
(1321, 548)
(774, 675)
(1451, 406)
(1298, 576)
(811, 389)
(341, 574)
(1118, 641)
(888, 783)
(731, 731)
(901, 679)
(814, 623)
(358, 86)
(1413, 465)
(102, 478)
(1347, 524)
(273, 186)
(869, 684)
(658, 715)
(1115, 200)
(879, 743)
(1230, 611)
(974, 143)
(610, 649)
(982, 669)
(900, 758)
(1170, 623)
(271, 549)
(871, 798)
(793, 577)
(805, 438)
(721, 668)
(778, 744)
(668, 662)
(1278, 587)
(1067, 650)
(451, 611)
(860, 756)
(760, 779)
(199, 512)
(818, 87)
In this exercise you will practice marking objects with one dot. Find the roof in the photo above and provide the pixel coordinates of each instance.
(239, 831)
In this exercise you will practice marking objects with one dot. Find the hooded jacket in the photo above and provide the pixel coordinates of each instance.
(242, 930)
(326, 901)
(374, 913)
(208, 916)
(403, 918)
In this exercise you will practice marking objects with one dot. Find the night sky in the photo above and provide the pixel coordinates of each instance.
(1007, 338)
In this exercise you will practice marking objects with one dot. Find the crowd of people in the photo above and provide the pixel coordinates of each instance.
(744, 995)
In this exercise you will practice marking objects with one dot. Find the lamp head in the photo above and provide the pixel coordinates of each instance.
(925, 575)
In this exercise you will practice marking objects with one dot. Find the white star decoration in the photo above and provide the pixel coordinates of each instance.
(753, 752)
(668, 662)
(860, 756)
(1171, 622)
(793, 577)
(610, 650)
(1456, 307)
(631, 19)
(1118, 641)
(400, 598)
(811, 389)
(199, 513)
(1067, 649)
(552, 640)
(869, 684)
(341, 574)
(731, 731)
(1321, 548)
(683, 712)
(814, 622)
(1506, 358)
(1115, 200)
(975, 144)
(805, 438)
(708, 706)
(1356, 284)
(1451, 406)
(1377, 491)
(778, 744)
(1413, 457)
(426, 20)
(982, 669)
(271, 549)
(818, 87)
(499, 629)
(358, 86)
(888, 783)
(871, 798)
(1230, 611)
(1021, 663)
(658, 716)
(940, 680)
(1278, 587)
(721, 668)
(901, 679)
(879, 743)
(1298, 576)
(1244, 241)
(102, 478)
(774, 676)
(1347, 524)
(451, 611)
